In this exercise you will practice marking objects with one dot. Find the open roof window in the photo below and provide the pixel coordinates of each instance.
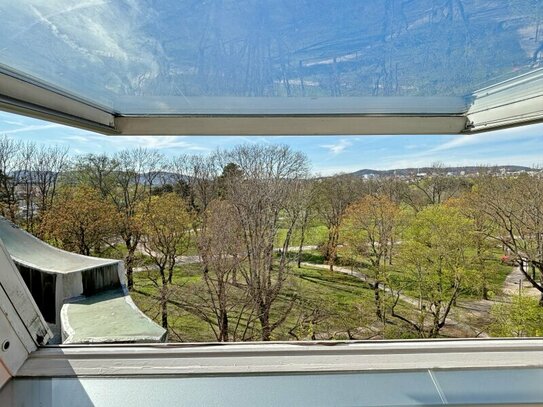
(250, 67)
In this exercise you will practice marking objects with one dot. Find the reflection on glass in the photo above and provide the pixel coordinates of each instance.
(113, 52)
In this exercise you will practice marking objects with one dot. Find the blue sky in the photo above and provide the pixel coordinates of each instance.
(328, 154)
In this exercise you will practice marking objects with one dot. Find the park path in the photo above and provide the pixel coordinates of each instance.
(454, 320)
(181, 260)
(512, 281)
(465, 310)
(477, 312)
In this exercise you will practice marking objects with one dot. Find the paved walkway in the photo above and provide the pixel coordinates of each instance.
(511, 285)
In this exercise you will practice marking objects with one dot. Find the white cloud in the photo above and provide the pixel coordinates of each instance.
(339, 147)
(152, 142)
(32, 127)
(156, 142)
(81, 139)
(13, 123)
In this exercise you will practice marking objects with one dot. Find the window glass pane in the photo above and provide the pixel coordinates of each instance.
(185, 56)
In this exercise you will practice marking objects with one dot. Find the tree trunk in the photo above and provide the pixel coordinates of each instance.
(436, 325)
(223, 326)
(164, 300)
(264, 319)
(129, 263)
(485, 290)
(331, 247)
(302, 238)
(377, 295)
(170, 273)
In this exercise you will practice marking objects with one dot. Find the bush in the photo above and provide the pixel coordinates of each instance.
(523, 317)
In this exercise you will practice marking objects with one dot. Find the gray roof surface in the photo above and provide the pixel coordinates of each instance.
(30, 251)
(110, 316)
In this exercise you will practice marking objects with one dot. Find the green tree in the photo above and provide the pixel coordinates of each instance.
(369, 229)
(230, 173)
(484, 247)
(435, 253)
(165, 226)
(520, 318)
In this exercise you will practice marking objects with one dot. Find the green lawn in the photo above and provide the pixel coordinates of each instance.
(330, 304)
(327, 305)
(314, 235)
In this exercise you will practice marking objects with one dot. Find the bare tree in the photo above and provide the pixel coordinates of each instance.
(133, 179)
(97, 171)
(26, 178)
(268, 182)
(515, 206)
(434, 189)
(335, 194)
(47, 166)
(199, 174)
(306, 211)
(220, 299)
(9, 178)
(126, 179)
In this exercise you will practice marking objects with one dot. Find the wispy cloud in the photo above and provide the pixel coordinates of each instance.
(157, 142)
(464, 141)
(339, 147)
(163, 143)
(32, 127)
(13, 123)
(493, 137)
(80, 139)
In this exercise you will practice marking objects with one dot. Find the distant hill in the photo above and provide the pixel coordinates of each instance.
(407, 172)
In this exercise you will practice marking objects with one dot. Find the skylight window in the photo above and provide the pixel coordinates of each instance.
(245, 243)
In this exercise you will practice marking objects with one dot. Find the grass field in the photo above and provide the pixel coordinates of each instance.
(330, 304)
(314, 236)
